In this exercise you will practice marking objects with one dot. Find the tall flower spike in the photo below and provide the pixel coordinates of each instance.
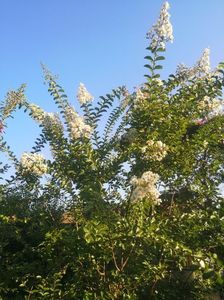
(51, 122)
(13, 99)
(77, 126)
(201, 68)
(203, 65)
(162, 31)
(37, 113)
(83, 95)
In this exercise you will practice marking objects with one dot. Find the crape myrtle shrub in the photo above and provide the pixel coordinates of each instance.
(133, 211)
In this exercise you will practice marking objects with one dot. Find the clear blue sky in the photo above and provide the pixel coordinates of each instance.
(101, 43)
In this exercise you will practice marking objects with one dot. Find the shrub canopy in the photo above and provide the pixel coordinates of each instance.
(131, 211)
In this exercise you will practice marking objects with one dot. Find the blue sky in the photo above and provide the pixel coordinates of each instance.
(101, 43)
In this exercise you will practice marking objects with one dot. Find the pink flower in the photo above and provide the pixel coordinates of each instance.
(202, 121)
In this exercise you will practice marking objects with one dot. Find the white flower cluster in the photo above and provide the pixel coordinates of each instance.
(33, 163)
(162, 31)
(157, 81)
(140, 97)
(145, 187)
(155, 150)
(13, 98)
(202, 67)
(36, 112)
(83, 95)
(209, 104)
(51, 121)
(78, 128)
(184, 72)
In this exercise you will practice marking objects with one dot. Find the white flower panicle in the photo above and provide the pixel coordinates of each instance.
(162, 31)
(209, 104)
(145, 187)
(139, 97)
(203, 65)
(83, 95)
(33, 163)
(184, 72)
(155, 150)
(13, 98)
(37, 113)
(158, 82)
(78, 128)
(51, 121)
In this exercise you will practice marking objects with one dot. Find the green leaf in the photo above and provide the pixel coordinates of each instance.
(149, 67)
(158, 67)
(208, 274)
(160, 58)
(149, 57)
(156, 76)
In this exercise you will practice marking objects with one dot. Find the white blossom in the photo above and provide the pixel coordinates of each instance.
(139, 97)
(185, 72)
(162, 31)
(201, 68)
(77, 126)
(155, 150)
(51, 122)
(203, 65)
(13, 98)
(145, 187)
(83, 95)
(33, 163)
(48, 120)
(37, 113)
(210, 104)
(158, 81)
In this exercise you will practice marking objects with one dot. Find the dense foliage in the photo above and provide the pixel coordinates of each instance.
(128, 208)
